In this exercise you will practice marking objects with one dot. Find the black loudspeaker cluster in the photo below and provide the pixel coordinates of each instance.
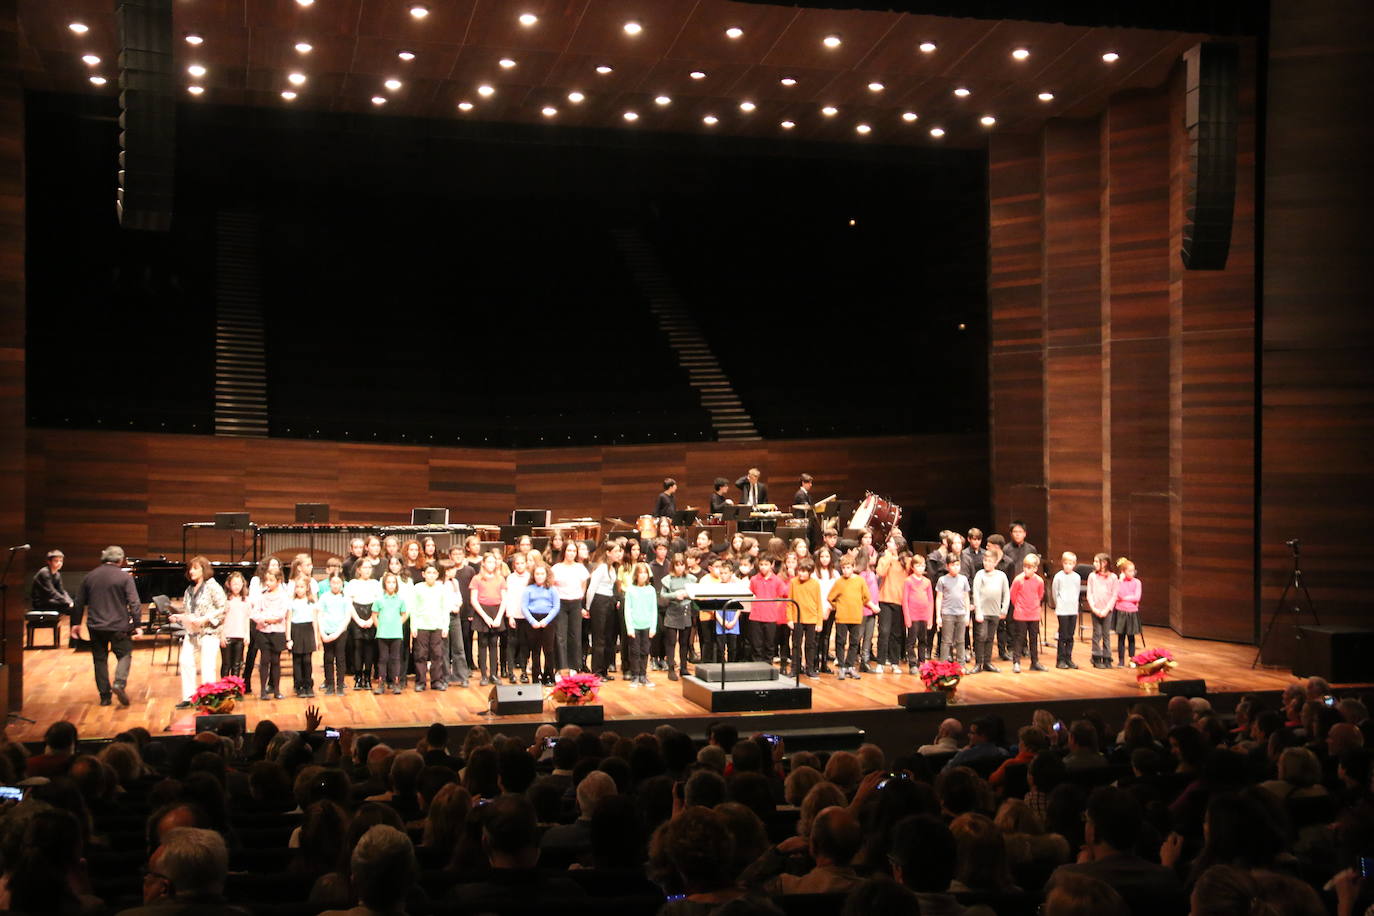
(147, 115)
(1210, 116)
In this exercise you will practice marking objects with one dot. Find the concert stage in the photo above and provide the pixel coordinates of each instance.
(59, 685)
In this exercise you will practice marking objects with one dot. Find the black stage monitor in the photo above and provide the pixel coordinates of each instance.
(312, 513)
(512, 533)
(536, 517)
(232, 521)
(428, 518)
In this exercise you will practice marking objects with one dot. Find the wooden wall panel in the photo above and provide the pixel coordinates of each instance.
(12, 319)
(1212, 400)
(90, 489)
(1074, 407)
(1135, 292)
(1316, 375)
(1016, 330)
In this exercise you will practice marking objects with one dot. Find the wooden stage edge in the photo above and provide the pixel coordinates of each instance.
(60, 685)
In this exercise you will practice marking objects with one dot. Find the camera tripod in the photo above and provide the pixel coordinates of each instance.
(1298, 589)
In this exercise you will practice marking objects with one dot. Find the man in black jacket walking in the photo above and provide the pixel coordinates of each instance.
(107, 616)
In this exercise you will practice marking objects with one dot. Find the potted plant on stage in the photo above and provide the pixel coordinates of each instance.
(1152, 668)
(576, 690)
(219, 696)
(938, 675)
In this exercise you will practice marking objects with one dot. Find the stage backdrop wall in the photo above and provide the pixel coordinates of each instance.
(1123, 387)
(90, 489)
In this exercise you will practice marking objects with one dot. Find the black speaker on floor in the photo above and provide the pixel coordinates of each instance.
(929, 699)
(515, 699)
(1210, 117)
(147, 114)
(593, 714)
(1339, 654)
(1196, 687)
(212, 722)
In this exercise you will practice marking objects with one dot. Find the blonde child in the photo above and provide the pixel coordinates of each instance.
(303, 636)
(336, 612)
(1064, 591)
(641, 621)
(391, 613)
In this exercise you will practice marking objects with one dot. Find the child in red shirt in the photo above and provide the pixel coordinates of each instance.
(1027, 598)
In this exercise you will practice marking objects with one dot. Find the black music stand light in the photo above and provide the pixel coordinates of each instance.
(312, 514)
(685, 518)
(231, 522)
(429, 517)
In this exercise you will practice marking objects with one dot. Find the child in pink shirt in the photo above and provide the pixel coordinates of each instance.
(1027, 598)
(918, 607)
(1126, 614)
(1102, 585)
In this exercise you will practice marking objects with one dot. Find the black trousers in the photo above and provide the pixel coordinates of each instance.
(336, 660)
(458, 668)
(891, 633)
(250, 657)
(683, 640)
(659, 640)
(231, 657)
(847, 639)
(1068, 624)
(271, 645)
(302, 677)
(431, 658)
(803, 649)
(567, 631)
(727, 647)
(363, 643)
(517, 645)
(603, 633)
(103, 642)
(489, 652)
(917, 642)
(1004, 637)
(639, 647)
(708, 640)
(389, 665)
(984, 634)
(543, 645)
(1025, 634)
(469, 641)
(763, 636)
(823, 650)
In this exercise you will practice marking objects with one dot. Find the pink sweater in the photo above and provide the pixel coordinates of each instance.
(918, 600)
(1027, 596)
(1128, 596)
(1102, 592)
(872, 579)
(768, 611)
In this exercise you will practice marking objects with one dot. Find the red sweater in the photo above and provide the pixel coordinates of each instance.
(768, 611)
(918, 600)
(1027, 597)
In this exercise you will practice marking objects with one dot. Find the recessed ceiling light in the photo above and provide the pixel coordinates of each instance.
(710, 119)
(788, 81)
(194, 39)
(575, 97)
(1021, 53)
(937, 131)
(633, 28)
(747, 105)
(831, 41)
(987, 120)
(91, 59)
(506, 63)
(304, 47)
(528, 19)
(963, 92)
(1111, 57)
(296, 79)
(304, 2)
(876, 86)
(1046, 96)
(697, 75)
(195, 90)
(927, 47)
(853, 222)
(419, 12)
(393, 84)
(603, 69)
(734, 32)
(288, 95)
(379, 100)
(465, 105)
(830, 111)
(79, 28)
(862, 128)
(662, 100)
(909, 116)
(788, 125)
(98, 80)
(631, 116)
(548, 111)
(486, 91)
(406, 55)
(196, 70)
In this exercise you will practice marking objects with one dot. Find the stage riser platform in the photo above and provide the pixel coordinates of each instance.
(745, 696)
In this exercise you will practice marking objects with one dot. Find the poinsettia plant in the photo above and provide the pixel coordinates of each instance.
(938, 675)
(1153, 665)
(577, 690)
(212, 695)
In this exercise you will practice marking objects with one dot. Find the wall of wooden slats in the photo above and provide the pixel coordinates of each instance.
(12, 320)
(1317, 337)
(90, 489)
(1141, 371)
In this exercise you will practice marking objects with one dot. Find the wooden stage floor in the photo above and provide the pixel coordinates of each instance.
(59, 685)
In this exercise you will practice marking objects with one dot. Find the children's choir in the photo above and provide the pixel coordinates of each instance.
(391, 610)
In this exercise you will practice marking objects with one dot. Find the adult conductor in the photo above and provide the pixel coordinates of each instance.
(105, 614)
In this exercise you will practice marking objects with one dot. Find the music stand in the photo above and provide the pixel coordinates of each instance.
(685, 518)
(312, 514)
(429, 517)
(510, 534)
(231, 522)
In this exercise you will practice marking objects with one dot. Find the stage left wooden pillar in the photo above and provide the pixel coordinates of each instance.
(12, 393)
